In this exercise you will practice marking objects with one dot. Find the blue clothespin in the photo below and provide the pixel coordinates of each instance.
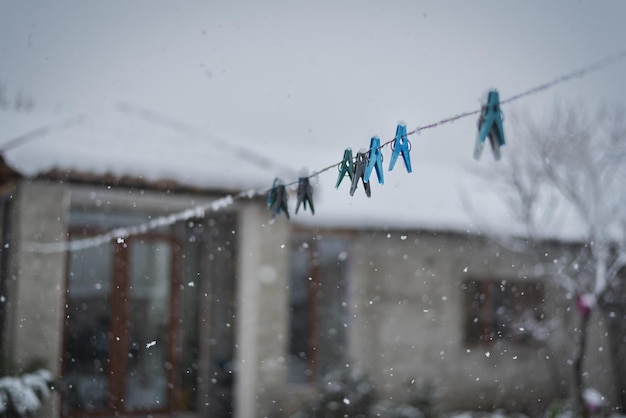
(490, 125)
(401, 145)
(375, 160)
(359, 172)
(346, 167)
(305, 194)
(277, 199)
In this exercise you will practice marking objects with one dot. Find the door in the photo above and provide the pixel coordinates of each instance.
(121, 327)
(150, 320)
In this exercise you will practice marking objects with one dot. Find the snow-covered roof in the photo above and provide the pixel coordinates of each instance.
(125, 142)
(270, 93)
(114, 144)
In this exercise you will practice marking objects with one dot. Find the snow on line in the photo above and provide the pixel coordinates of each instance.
(120, 234)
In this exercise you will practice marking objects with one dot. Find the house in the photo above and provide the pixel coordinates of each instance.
(150, 279)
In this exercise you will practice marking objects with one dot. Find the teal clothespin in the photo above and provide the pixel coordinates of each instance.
(401, 145)
(490, 125)
(346, 167)
(305, 194)
(375, 160)
(277, 199)
(359, 174)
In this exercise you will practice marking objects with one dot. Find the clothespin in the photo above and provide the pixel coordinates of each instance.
(375, 160)
(346, 167)
(401, 145)
(490, 125)
(359, 174)
(277, 199)
(305, 194)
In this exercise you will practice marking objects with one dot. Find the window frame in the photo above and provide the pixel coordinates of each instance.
(315, 291)
(6, 204)
(480, 323)
(118, 349)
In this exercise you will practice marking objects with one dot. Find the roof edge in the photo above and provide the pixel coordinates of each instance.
(131, 182)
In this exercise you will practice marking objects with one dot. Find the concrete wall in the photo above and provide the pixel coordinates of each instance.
(406, 310)
(37, 288)
(407, 322)
(37, 280)
(261, 367)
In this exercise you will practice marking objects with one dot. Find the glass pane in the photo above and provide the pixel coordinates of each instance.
(300, 320)
(85, 362)
(149, 309)
(318, 307)
(332, 315)
(218, 306)
(4, 258)
(188, 331)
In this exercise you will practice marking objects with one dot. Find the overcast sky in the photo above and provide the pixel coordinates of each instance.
(300, 80)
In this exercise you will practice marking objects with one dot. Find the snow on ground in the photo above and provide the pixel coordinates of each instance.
(24, 393)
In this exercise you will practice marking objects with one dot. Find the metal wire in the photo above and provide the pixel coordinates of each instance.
(228, 200)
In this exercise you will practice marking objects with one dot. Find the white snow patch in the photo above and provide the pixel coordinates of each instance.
(593, 398)
(24, 393)
(587, 300)
(267, 274)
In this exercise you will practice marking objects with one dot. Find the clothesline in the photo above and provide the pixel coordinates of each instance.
(219, 204)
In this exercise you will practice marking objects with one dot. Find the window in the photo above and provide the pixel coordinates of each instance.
(5, 201)
(131, 331)
(317, 306)
(501, 310)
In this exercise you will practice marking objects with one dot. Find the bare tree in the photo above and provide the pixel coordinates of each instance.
(570, 169)
(20, 102)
